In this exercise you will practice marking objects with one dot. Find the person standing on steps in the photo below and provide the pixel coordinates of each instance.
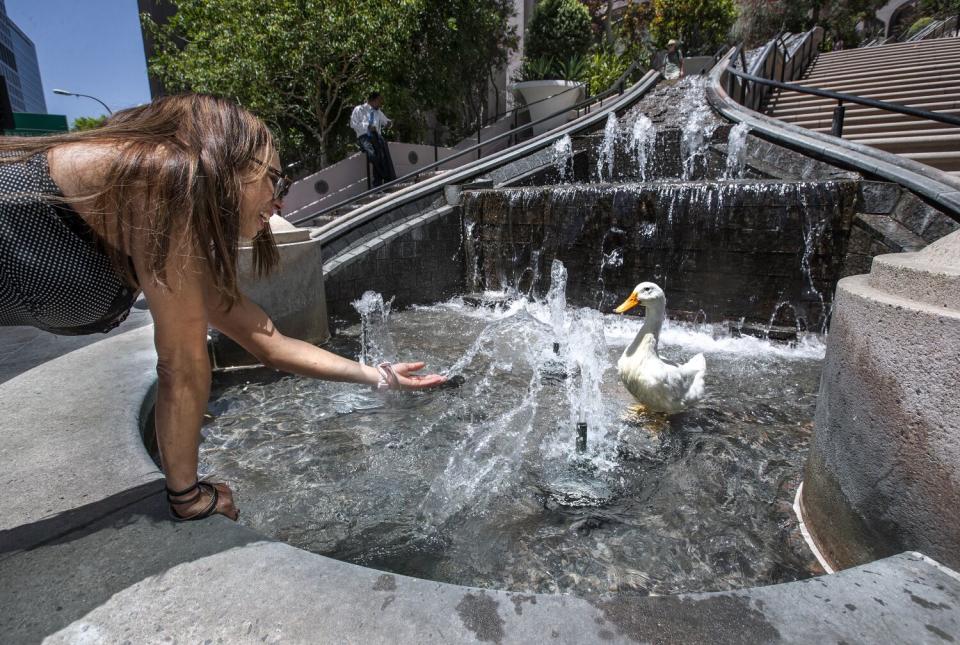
(669, 61)
(368, 121)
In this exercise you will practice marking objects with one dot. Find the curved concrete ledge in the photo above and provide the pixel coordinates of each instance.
(935, 186)
(883, 472)
(88, 555)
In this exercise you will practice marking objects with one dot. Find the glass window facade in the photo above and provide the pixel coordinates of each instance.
(18, 64)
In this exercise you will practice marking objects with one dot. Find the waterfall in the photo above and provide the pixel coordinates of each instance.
(642, 139)
(736, 146)
(605, 156)
(563, 157)
(697, 128)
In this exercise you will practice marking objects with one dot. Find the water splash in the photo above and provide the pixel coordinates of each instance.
(557, 297)
(605, 155)
(376, 343)
(643, 136)
(563, 157)
(611, 259)
(698, 127)
(471, 254)
(736, 147)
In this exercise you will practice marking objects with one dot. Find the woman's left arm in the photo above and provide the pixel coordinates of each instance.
(250, 327)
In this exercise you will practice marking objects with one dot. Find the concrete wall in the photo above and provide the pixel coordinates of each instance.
(731, 251)
(419, 260)
(293, 295)
(348, 178)
(883, 473)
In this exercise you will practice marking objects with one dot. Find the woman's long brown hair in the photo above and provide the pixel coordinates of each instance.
(180, 166)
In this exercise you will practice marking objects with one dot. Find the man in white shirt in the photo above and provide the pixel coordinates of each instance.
(368, 122)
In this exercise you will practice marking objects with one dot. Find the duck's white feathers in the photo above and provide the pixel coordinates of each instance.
(661, 386)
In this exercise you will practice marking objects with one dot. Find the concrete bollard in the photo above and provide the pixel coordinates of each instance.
(883, 472)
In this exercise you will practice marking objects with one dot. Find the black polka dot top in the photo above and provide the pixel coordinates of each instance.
(53, 273)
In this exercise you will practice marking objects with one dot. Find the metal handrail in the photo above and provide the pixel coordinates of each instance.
(933, 186)
(849, 98)
(617, 87)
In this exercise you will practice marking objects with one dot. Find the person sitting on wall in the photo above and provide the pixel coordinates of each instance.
(367, 120)
(669, 61)
(158, 200)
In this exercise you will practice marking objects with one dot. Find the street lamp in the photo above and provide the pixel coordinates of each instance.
(66, 93)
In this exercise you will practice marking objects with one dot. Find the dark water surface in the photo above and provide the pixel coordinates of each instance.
(481, 485)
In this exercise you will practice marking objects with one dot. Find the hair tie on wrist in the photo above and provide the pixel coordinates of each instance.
(388, 378)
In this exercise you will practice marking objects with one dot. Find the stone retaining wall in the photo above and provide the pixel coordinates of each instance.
(731, 250)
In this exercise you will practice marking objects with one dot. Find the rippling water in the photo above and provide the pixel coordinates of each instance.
(481, 485)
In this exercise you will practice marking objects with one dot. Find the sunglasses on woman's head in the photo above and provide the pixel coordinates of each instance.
(281, 183)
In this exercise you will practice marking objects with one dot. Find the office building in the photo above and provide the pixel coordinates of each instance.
(18, 65)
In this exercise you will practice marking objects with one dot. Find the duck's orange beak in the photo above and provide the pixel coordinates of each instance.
(628, 304)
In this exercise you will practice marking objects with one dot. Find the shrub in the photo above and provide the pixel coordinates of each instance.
(918, 25)
(558, 29)
(701, 26)
(603, 68)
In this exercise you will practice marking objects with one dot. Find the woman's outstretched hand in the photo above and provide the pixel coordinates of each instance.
(410, 381)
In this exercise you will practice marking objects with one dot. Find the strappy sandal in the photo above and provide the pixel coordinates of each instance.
(200, 487)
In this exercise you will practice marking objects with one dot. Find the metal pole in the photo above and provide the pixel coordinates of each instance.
(837, 126)
(478, 139)
(581, 437)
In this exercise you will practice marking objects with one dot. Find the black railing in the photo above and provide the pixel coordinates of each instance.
(775, 60)
(839, 110)
(616, 88)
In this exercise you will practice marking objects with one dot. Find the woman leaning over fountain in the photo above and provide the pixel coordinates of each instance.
(158, 200)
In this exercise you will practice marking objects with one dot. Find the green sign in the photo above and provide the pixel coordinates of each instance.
(34, 125)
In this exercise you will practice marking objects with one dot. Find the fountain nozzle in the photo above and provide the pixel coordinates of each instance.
(581, 436)
(556, 347)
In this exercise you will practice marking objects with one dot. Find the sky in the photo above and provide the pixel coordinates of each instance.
(87, 46)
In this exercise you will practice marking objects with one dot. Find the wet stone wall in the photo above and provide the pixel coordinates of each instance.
(765, 251)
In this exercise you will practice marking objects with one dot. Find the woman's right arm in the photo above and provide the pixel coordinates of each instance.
(183, 368)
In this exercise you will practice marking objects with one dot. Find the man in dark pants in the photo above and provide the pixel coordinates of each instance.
(368, 122)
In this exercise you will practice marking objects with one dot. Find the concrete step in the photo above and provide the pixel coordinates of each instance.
(825, 120)
(931, 276)
(917, 131)
(928, 104)
(947, 161)
(907, 126)
(868, 57)
(883, 63)
(949, 77)
(908, 71)
(893, 49)
(903, 145)
(890, 93)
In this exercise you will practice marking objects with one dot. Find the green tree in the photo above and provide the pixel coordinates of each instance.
(940, 8)
(303, 64)
(296, 63)
(88, 122)
(558, 30)
(701, 26)
(760, 20)
(456, 47)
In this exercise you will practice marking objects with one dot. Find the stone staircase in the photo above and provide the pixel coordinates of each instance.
(924, 75)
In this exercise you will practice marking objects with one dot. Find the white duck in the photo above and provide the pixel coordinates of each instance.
(659, 385)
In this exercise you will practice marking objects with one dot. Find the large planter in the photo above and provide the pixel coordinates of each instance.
(564, 94)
